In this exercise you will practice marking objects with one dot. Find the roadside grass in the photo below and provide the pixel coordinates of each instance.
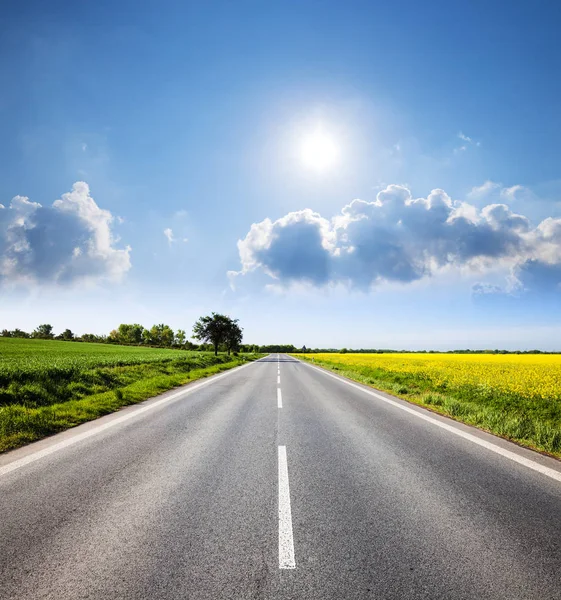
(36, 406)
(531, 422)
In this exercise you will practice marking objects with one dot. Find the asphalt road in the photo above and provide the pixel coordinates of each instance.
(230, 489)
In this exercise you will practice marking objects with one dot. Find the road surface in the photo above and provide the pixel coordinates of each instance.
(278, 480)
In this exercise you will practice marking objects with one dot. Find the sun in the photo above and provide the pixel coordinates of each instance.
(319, 151)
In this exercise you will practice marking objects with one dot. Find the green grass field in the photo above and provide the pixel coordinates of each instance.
(47, 386)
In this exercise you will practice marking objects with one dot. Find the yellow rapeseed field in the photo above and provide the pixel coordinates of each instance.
(528, 375)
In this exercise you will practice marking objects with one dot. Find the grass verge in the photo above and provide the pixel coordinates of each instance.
(532, 423)
(102, 391)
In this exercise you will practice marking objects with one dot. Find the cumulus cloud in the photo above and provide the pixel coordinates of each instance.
(69, 241)
(537, 275)
(399, 238)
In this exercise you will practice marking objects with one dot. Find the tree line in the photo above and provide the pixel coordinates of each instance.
(394, 351)
(214, 332)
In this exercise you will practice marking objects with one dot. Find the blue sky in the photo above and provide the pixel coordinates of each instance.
(188, 121)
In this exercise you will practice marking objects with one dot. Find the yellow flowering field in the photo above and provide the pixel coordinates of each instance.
(529, 375)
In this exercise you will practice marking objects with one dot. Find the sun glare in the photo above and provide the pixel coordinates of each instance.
(319, 151)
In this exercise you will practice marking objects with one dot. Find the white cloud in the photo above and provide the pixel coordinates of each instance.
(518, 196)
(66, 242)
(468, 142)
(486, 288)
(518, 193)
(482, 191)
(401, 239)
(168, 232)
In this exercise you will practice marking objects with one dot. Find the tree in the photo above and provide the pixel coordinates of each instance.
(130, 333)
(180, 337)
(167, 336)
(212, 329)
(125, 333)
(161, 335)
(145, 336)
(44, 332)
(234, 336)
(279, 348)
(155, 335)
(18, 333)
(67, 335)
(91, 337)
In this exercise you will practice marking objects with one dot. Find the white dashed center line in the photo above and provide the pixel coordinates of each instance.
(279, 398)
(286, 540)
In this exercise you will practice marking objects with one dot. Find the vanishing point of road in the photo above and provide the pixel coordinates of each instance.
(278, 480)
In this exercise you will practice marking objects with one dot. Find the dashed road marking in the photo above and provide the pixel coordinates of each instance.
(286, 539)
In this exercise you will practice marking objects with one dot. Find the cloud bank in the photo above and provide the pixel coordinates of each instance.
(64, 243)
(398, 238)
